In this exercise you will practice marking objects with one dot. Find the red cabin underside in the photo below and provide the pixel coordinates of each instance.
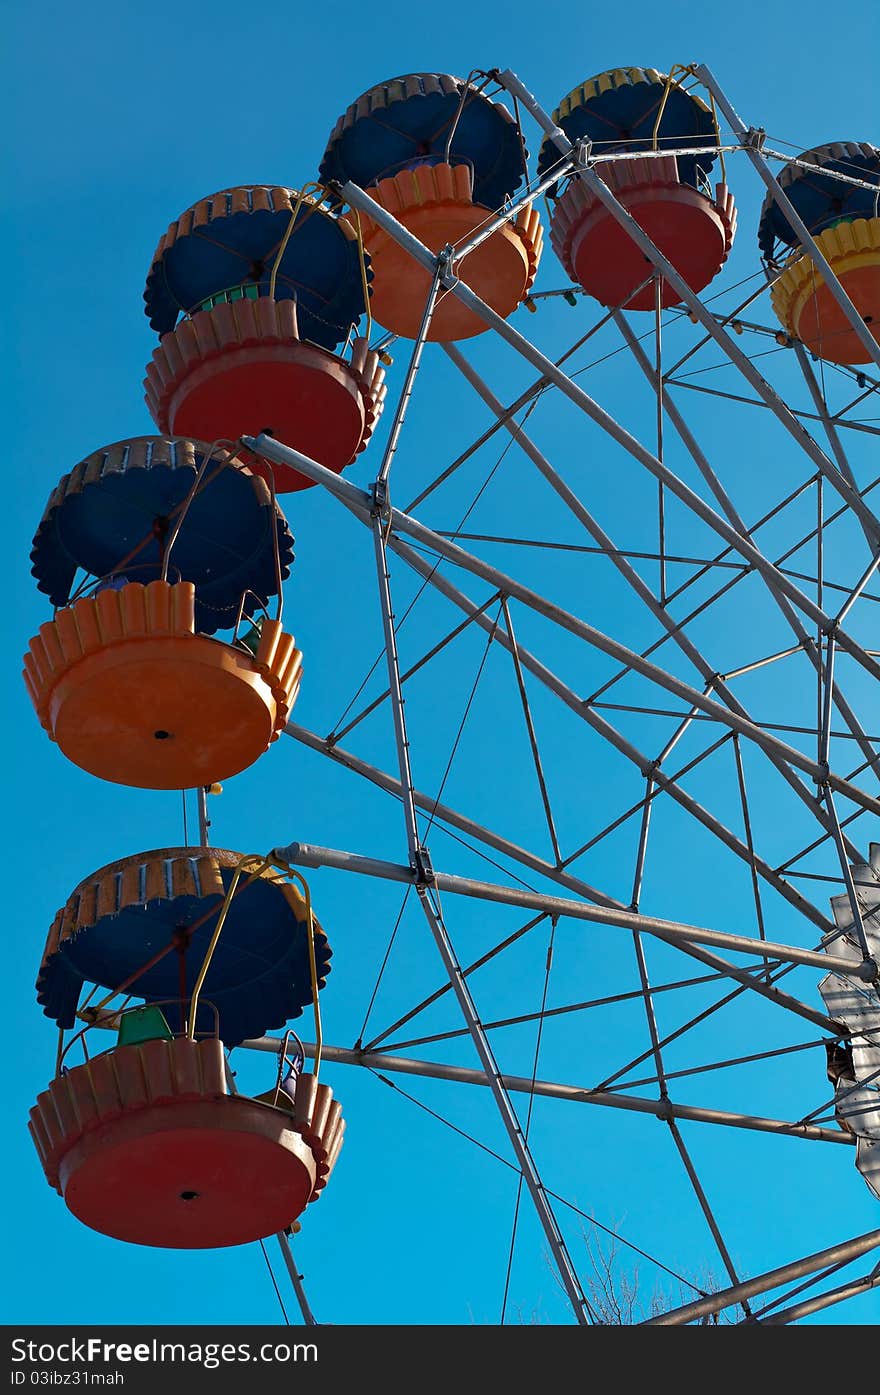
(679, 221)
(314, 407)
(191, 1175)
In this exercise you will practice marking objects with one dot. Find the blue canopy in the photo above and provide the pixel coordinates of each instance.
(618, 111)
(129, 492)
(406, 118)
(819, 198)
(258, 977)
(226, 246)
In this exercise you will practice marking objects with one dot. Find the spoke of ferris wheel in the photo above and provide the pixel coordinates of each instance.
(817, 843)
(730, 1063)
(296, 1280)
(675, 932)
(615, 738)
(729, 585)
(448, 815)
(358, 199)
(643, 591)
(420, 873)
(538, 387)
(725, 320)
(605, 729)
(493, 1078)
(565, 879)
(522, 401)
(706, 1208)
(643, 763)
(447, 986)
(654, 989)
(747, 827)
(834, 441)
(615, 1077)
(752, 147)
(752, 144)
(763, 1283)
(734, 517)
(574, 1094)
(533, 739)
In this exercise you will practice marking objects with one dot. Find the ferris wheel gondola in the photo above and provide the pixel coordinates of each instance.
(440, 156)
(631, 117)
(252, 292)
(843, 215)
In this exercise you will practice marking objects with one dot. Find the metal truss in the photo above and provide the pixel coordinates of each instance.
(820, 775)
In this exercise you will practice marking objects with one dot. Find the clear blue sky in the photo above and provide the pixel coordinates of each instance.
(122, 116)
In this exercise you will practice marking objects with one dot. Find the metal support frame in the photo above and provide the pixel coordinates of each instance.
(266, 445)
(540, 1200)
(296, 1279)
(429, 882)
(564, 878)
(204, 821)
(629, 573)
(362, 201)
(805, 639)
(412, 370)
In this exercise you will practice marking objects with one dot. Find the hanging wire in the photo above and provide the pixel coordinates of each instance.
(274, 1283)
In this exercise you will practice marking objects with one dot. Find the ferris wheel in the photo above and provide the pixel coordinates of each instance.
(642, 649)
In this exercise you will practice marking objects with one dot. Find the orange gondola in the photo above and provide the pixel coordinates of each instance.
(133, 694)
(441, 157)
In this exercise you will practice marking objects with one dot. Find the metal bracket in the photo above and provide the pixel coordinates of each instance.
(581, 152)
(381, 504)
(754, 138)
(423, 867)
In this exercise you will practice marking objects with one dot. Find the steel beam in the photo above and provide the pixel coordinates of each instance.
(311, 855)
(716, 1302)
(576, 1094)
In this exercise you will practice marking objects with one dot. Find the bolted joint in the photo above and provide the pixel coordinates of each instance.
(754, 138)
(581, 152)
(380, 506)
(423, 868)
(869, 972)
